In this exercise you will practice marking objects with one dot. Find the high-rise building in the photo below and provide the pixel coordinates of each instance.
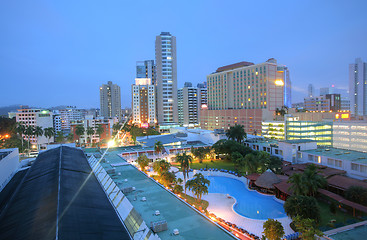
(57, 121)
(287, 85)
(190, 100)
(69, 114)
(166, 81)
(36, 118)
(243, 93)
(144, 102)
(311, 90)
(146, 69)
(345, 104)
(358, 87)
(319, 103)
(110, 99)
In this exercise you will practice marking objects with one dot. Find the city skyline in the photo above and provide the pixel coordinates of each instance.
(49, 46)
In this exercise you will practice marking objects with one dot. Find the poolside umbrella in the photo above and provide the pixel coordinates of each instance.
(267, 179)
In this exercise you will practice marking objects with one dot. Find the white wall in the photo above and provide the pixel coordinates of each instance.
(8, 166)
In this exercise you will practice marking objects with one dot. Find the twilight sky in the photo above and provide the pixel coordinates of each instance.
(59, 52)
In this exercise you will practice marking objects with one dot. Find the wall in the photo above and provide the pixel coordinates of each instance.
(8, 166)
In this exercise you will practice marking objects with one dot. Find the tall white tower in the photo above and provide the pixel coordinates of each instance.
(358, 87)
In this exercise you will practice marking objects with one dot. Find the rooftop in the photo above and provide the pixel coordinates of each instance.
(342, 154)
(233, 66)
(297, 141)
(190, 224)
(41, 206)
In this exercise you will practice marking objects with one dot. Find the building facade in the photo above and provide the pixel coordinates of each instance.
(146, 69)
(273, 130)
(243, 93)
(189, 103)
(144, 102)
(319, 103)
(335, 101)
(57, 122)
(36, 118)
(311, 91)
(358, 87)
(69, 114)
(110, 100)
(166, 81)
(351, 135)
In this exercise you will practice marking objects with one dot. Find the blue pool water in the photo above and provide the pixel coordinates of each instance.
(250, 204)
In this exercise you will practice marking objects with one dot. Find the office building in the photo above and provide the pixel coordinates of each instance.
(311, 91)
(57, 122)
(190, 100)
(166, 82)
(358, 87)
(319, 103)
(345, 104)
(243, 93)
(146, 69)
(350, 135)
(110, 100)
(335, 101)
(144, 102)
(36, 118)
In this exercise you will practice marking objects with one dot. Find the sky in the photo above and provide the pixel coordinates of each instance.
(59, 52)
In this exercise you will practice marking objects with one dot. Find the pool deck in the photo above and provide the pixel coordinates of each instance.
(190, 224)
(222, 207)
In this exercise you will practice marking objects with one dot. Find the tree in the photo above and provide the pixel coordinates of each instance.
(312, 180)
(198, 185)
(143, 161)
(307, 228)
(238, 160)
(298, 185)
(167, 178)
(184, 160)
(356, 194)
(60, 138)
(90, 132)
(273, 230)
(161, 166)
(158, 147)
(20, 129)
(227, 147)
(70, 137)
(116, 128)
(303, 206)
(251, 163)
(38, 132)
(29, 131)
(263, 161)
(99, 131)
(79, 131)
(177, 189)
(236, 133)
(49, 133)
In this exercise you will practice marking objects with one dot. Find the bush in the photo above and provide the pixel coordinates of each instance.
(357, 194)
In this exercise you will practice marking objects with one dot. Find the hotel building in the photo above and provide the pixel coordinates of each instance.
(110, 100)
(243, 93)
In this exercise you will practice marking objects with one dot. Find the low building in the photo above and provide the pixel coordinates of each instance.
(273, 129)
(36, 118)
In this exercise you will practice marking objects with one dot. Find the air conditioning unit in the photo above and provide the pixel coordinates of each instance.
(159, 226)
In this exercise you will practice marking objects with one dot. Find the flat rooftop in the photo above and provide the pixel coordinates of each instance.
(190, 224)
(348, 155)
(297, 141)
(234, 66)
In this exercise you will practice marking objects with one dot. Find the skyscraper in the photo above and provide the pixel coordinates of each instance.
(143, 102)
(311, 91)
(146, 69)
(287, 86)
(358, 87)
(166, 81)
(110, 100)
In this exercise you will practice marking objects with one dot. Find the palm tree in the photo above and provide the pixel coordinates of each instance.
(184, 161)
(79, 131)
(312, 180)
(143, 161)
(199, 186)
(298, 185)
(38, 132)
(29, 131)
(161, 166)
(116, 128)
(60, 138)
(236, 133)
(20, 129)
(90, 132)
(251, 163)
(70, 137)
(158, 147)
(49, 133)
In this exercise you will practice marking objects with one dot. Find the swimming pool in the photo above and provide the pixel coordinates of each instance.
(250, 204)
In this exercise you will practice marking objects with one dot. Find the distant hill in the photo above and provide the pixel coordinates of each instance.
(12, 108)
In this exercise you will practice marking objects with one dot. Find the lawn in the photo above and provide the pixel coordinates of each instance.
(203, 204)
(341, 217)
(219, 164)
